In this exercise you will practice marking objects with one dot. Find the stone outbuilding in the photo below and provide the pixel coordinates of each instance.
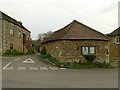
(115, 45)
(75, 40)
(14, 35)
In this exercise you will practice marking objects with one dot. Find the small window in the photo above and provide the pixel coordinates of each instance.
(11, 46)
(19, 34)
(11, 32)
(118, 40)
(88, 50)
(92, 50)
(84, 50)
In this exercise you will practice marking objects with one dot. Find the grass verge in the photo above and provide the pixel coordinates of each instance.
(54, 61)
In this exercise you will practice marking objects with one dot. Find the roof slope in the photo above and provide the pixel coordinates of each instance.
(115, 32)
(10, 19)
(76, 31)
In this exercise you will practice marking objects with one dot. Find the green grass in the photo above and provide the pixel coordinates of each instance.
(15, 53)
(76, 65)
(51, 59)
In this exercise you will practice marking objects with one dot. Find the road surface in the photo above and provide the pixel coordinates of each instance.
(32, 71)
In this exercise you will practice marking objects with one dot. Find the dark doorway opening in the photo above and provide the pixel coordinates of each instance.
(24, 42)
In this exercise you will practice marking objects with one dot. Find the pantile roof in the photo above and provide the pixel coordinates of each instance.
(76, 31)
(115, 32)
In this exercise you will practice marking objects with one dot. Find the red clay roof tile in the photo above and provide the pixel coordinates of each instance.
(76, 31)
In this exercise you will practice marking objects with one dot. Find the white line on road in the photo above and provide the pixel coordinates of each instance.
(62, 68)
(16, 59)
(29, 60)
(43, 68)
(9, 68)
(7, 65)
(21, 68)
(33, 68)
(53, 68)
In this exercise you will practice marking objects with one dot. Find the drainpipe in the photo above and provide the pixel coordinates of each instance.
(108, 53)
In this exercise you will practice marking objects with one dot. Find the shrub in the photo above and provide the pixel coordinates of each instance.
(43, 51)
(89, 58)
(102, 65)
(87, 65)
(12, 52)
(31, 51)
(7, 52)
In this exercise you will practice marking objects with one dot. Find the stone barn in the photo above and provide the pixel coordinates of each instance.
(75, 40)
(115, 45)
(14, 35)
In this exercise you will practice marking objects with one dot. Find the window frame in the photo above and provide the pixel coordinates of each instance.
(88, 50)
(19, 34)
(11, 32)
(118, 40)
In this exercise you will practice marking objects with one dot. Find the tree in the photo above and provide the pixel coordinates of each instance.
(41, 36)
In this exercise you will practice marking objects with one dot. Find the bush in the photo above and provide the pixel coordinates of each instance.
(43, 51)
(90, 58)
(12, 52)
(7, 52)
(87, 65)
(102, 65)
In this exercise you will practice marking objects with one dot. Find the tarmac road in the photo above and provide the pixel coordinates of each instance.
(32, 72)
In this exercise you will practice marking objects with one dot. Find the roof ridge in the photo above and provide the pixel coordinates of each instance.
(92, 29)
(67, 32)
(68, 29)
(12, 20)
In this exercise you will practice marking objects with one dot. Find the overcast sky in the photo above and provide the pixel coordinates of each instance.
(40, 16)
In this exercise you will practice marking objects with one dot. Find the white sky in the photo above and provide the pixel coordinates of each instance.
(40, 16)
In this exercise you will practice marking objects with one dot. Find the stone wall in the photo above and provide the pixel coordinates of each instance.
(0, 34)
(15, 39)
(70, 51)
(114, 49)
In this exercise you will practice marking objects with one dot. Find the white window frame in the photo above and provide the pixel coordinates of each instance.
(85, 50)
(88, 50)
(93, 50)
(118, 40)
(11, 32)
(20, 34)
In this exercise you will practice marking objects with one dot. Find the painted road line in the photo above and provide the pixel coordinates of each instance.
(53, 68)
(7, 65)
(21, 68)
(29, 60)
(16, 59)
(9, 68)
(33, 68)
(62, 68)
(43, 68)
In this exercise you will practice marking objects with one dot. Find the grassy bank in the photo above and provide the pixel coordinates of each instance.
(86, 65)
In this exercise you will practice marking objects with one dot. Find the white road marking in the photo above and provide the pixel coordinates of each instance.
(16, 59)
(53, 68)
(21, 68)
(29, 60)
(9, 68)
(33, 68)
(62, 68)
(38, 53)
(7, 65)
(43, 68)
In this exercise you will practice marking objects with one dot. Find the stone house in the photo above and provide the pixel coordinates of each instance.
(14, 35)
(114, 45)
(75, 40)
